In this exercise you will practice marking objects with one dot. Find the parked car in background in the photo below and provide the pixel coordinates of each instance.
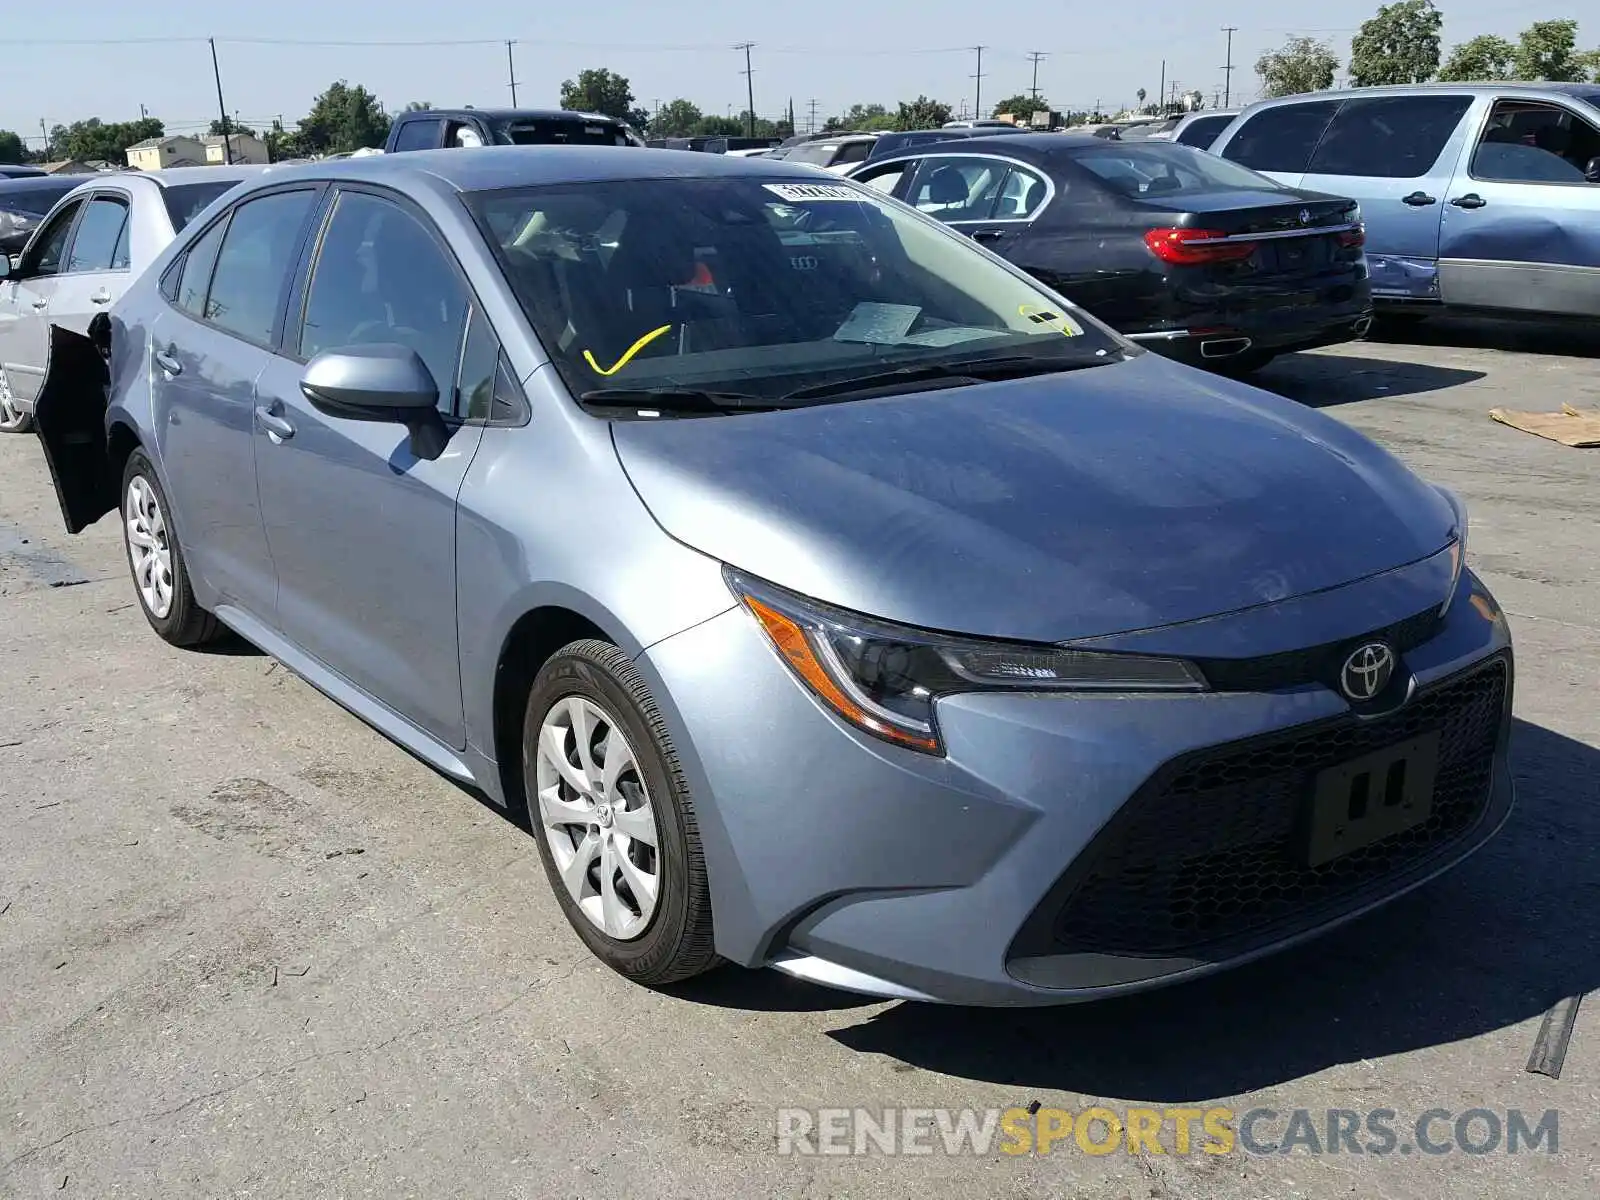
(452, 128)
(20, 171)
(828, 594)
(83, 256)
(1194, 256)
(1201, 129)
(1475, 196)
(23, 203)
(837, 154)
(894, 143)
(984, 123)
(1158, 129)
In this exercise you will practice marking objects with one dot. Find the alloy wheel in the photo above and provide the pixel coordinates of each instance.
(597, 817)
(12, 419)
(148, 546)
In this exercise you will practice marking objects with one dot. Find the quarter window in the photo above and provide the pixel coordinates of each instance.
(1200, 133)
(253, 267)
(381, 276)
(417, 135)
(1530, 142)
(197, 264)
(1396, 137)
(1281, 138)
(94, 245)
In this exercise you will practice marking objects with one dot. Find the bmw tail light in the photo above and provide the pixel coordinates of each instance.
(1195, 247)
(1352, 238)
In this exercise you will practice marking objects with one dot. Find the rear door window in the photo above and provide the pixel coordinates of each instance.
(418, 135)
(1527, 141)
(1388, 137)
(1281, 138)
(258, 254)
(99, 234)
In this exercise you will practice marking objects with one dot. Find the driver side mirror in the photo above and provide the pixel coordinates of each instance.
(1592, 171)
(382, 382)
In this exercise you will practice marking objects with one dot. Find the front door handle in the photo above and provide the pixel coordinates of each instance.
(987, 235)
(1470, 200)
(100, 297)
(41, 304)
(168, 363)
(279, 429)
(1419, 199)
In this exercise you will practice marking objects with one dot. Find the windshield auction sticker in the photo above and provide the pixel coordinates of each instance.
(797, 193)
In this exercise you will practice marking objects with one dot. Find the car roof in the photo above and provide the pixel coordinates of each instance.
(515, 114)
(40, 183)
(174, 176)
(1411, 89)
(491, 167)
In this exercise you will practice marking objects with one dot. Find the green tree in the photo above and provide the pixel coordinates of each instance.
(1301, 64)
(1549, 50)
(921, 113)
(216, 129)
(1399, 45)
(1141, 93)
(94, 138)
(1021, 107)
(598, 90)
(1485, 57)
(719, 127)
(342, 119)
(861, 118)
(12, 148)
(676, 118)
(418, 105)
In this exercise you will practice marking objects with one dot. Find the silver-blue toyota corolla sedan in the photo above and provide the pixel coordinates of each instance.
(833, 597)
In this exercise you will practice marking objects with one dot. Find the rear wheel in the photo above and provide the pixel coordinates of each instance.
(160, 575)
(613, 817)
(12, 419)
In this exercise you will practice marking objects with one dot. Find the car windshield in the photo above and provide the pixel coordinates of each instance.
(185, 201)
(761, 286)
(1151, 169)
(565, 132)
(820, 153)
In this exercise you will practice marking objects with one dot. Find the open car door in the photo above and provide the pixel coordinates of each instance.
(71, 418)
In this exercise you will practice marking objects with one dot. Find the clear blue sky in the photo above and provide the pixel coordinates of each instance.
(838, 51)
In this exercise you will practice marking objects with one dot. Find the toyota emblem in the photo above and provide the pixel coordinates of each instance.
(1367, 671)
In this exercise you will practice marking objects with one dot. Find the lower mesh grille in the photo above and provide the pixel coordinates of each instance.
(1210, 849)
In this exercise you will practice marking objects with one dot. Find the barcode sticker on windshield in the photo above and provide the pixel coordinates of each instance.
(796, 193)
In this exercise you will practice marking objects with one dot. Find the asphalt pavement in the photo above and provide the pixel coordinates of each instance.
(250, 948)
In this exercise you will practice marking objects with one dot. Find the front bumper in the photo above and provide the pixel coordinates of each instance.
(962, 879)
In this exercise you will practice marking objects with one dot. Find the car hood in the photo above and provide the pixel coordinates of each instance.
(1121, 497)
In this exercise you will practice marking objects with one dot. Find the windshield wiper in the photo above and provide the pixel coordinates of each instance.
(975, 370)
(676, 400)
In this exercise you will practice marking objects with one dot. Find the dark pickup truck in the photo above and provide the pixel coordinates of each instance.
(433, 128)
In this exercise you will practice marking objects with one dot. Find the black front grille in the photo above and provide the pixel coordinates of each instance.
(1210, 851)
(1315, 664)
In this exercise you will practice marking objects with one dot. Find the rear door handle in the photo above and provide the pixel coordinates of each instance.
(167, 363)
(1470, 200)
(100, 297)
(279, 429)
(1419, 199)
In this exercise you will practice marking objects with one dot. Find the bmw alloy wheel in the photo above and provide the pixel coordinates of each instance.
(148, 546)
(597, 817)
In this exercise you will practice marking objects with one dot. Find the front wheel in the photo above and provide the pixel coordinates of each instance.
(613, 818)
(160, 575)
(12, 418)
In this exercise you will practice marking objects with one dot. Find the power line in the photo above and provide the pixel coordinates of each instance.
(749, 83)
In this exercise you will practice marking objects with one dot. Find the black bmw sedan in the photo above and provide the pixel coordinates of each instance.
(1197, 257)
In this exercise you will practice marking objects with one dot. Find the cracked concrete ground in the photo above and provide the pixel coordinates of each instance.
(249, 948)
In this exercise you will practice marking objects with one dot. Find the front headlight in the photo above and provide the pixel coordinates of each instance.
(1458, 544)
(884, 678)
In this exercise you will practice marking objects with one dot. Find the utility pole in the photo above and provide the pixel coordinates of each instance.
(1035, 55)
(216, 71)
(1161, 92)
(143, 112)
(511, 72)
(977, 95)
(45, 134)
(811, 123)
(1227, 71)
(749, 84)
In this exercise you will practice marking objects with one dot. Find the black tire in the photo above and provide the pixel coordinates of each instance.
(677, 942)
(1247, 363)
(184, 623)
